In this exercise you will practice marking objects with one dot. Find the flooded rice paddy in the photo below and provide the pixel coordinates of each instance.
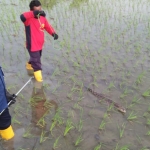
(103, 45)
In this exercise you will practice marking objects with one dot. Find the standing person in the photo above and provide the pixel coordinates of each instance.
(6, 131)
(35, 24)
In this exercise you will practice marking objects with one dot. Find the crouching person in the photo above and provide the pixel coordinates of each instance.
(6, 131)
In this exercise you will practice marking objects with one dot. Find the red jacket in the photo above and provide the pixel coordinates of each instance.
(34, 29)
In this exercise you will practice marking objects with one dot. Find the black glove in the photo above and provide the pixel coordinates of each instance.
(10, 97)
(37, 12)
(55, 36)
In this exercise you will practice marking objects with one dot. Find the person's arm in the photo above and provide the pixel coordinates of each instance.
(31, 14)
(27, 15)
(50, 30)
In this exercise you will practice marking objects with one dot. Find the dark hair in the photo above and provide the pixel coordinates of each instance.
(34, 3)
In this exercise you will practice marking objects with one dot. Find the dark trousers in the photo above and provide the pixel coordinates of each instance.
(5, 120)
(35, 59)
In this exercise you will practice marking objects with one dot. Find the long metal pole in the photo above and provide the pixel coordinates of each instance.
(18, 93)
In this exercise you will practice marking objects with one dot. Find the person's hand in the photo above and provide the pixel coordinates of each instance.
(42, 13)
(55, 36)
(39, 12)
(10, 97)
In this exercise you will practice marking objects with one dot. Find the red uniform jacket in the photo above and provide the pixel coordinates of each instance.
(34, 29)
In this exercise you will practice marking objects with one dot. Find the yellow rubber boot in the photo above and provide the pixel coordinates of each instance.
(28, 66)
(38, 75)
(7, 134)
(29, 69)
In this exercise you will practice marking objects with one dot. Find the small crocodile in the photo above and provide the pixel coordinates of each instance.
(117, 106)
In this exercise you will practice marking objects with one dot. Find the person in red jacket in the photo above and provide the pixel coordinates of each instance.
(35, 23)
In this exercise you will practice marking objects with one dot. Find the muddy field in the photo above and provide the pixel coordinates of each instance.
(103, 45)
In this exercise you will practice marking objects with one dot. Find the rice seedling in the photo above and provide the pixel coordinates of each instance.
(148, 133)
(125, 93)
(98, 147)
(146, 114)
(102, 125)
(14, 120)
(42, 137)
(69, 127)
(78, 140)
(140, 78)
(135, 100)
(146, 93)
(148, 121)
(41, 123)
(132, 116)
(110, 107)
(125, 147)
(121, 130)
(55, 145)
(111, 85)
(27, 133)
(57, 120)
(144, 148)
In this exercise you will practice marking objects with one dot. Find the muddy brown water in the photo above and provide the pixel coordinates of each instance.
(103, 45)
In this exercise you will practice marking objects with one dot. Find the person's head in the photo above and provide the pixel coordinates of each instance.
(35, 5)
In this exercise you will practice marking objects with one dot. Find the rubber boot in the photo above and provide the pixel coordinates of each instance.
(38, 75)
(29, 69)
(7, 134)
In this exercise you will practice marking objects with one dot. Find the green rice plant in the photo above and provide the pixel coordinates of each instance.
(14, 120)
(57, 119)
(117, 145)
(27, 133)
(134, 101)
(110, 107)
(148, 109)
(125, 147)
(146, 114)
(53, 125)
(42, 137)
(78, 140)
(56, 72)
(69, 126)
(132, 116)
(121, 130)
(125, 93)
(111, 85)
(146, 93)
(105, 115)
(41, 123)
(55, 145)
(148, 122)
(148, 133)
(140, 78)
(144, 148)
(98, 147)
(77, 106)
(80, 126)
(102, 125)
